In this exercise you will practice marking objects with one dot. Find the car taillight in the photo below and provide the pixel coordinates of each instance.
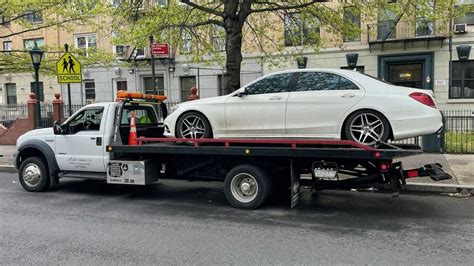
(423, 98)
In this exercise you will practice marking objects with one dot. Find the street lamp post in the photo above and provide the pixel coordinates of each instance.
(36, 57)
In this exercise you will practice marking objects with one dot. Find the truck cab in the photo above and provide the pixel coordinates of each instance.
(77, 147)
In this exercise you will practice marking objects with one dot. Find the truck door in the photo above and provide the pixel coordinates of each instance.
(81, 146)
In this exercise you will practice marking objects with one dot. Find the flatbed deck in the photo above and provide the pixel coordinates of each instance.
(266, 148)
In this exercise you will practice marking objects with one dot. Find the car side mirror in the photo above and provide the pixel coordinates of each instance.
(58, 130)
(242, 93)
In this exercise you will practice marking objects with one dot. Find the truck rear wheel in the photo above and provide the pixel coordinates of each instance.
(33, 174)
(247, 187)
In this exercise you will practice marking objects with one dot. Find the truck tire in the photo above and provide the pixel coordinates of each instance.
(247, 187)
(33, 174)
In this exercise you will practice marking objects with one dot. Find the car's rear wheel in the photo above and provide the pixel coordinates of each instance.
(193, 125)
(367, 127)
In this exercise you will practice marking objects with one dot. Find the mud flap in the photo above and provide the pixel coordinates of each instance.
(294, 185)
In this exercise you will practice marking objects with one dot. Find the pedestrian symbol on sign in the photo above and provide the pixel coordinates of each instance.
(69, 69)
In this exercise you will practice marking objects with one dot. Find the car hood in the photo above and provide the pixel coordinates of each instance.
(35, 133)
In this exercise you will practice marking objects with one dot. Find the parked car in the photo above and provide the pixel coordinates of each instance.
(310, 103)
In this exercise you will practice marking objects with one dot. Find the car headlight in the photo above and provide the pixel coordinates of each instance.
(173, 108)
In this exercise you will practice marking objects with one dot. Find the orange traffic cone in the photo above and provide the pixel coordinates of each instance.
(132, 136)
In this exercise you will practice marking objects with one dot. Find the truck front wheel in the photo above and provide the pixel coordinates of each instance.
(33, 174)
(247, 187)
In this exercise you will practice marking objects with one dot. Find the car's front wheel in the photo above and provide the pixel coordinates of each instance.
(193, 125)
(367, 127)
(33, 174)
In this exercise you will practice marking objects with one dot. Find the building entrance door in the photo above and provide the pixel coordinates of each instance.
(407, 75)
(408, 70)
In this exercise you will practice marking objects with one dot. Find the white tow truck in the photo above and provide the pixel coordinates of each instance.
(93, 144)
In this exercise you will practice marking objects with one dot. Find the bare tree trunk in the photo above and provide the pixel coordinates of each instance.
(233, 59)
(233, 43)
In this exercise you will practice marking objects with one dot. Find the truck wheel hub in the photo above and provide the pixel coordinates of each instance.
(32, 175)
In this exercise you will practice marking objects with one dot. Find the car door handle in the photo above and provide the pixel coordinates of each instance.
(348, 95)
(93, 138)
(274, 98)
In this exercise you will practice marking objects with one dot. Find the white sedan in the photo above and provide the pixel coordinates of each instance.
(310, 103)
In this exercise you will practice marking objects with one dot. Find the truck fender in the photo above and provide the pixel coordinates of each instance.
(44, 149)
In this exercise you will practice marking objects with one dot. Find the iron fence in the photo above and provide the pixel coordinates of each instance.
(46, 115)
(458, 134)
(74, 108)
(9, 113)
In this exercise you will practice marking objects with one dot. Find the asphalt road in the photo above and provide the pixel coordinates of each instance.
(178, 222)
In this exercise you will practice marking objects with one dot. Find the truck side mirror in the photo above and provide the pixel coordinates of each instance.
(57, 128)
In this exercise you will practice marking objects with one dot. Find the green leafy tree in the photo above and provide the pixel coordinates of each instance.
(259, 26)
(20, 17)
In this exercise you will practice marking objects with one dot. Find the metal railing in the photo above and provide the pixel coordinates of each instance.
(391, 30)
(74, 108)
(458, 131)
(9, 113)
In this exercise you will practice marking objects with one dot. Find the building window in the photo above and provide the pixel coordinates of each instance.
(186, 84)
(4, 21)
(34, 16)
(161, 3)
(299, 31)
(139, 53)
(7, 46)
(426, 26)
(187, 42)
(218, 38)
(221, 83)
(387, 24)
(89, 86)
(353, 17)
(463, 80)
(119, 50)
(468, 17)
(85, 43)
(11, 93)
(30, 43)
(159, 82)
(40, 97)
(122, 85)
(359, 69)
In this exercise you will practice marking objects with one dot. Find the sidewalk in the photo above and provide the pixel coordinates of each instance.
(459, 166)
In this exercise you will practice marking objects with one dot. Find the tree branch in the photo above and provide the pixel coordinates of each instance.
(203, 8)
(40, 27)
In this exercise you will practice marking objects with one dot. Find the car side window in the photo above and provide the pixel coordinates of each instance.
(316, 81)
(273, 84)
(345, 84)
(88, 119)
(321, 81)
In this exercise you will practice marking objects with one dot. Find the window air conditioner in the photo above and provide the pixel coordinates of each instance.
(460, 28)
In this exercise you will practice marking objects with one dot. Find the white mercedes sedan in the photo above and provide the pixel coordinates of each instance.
(310, 103)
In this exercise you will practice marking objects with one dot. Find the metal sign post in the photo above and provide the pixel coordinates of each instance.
(69, 71)
(152, 65)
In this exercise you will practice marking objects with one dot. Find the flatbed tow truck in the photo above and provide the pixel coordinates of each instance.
(250, 168)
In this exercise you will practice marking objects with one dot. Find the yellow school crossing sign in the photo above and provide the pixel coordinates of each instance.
(69, 69)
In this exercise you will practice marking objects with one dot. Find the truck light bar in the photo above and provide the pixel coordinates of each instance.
(137, 95)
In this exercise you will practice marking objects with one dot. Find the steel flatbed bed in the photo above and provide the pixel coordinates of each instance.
(343, 149)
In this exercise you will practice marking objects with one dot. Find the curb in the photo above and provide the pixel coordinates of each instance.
(7, 169)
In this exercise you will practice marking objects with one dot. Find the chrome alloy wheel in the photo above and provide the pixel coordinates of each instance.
(244, 187)
(192, 127)
(32, 175)
(367, 129)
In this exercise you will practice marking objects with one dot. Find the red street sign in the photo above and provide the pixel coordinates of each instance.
(160, 49)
